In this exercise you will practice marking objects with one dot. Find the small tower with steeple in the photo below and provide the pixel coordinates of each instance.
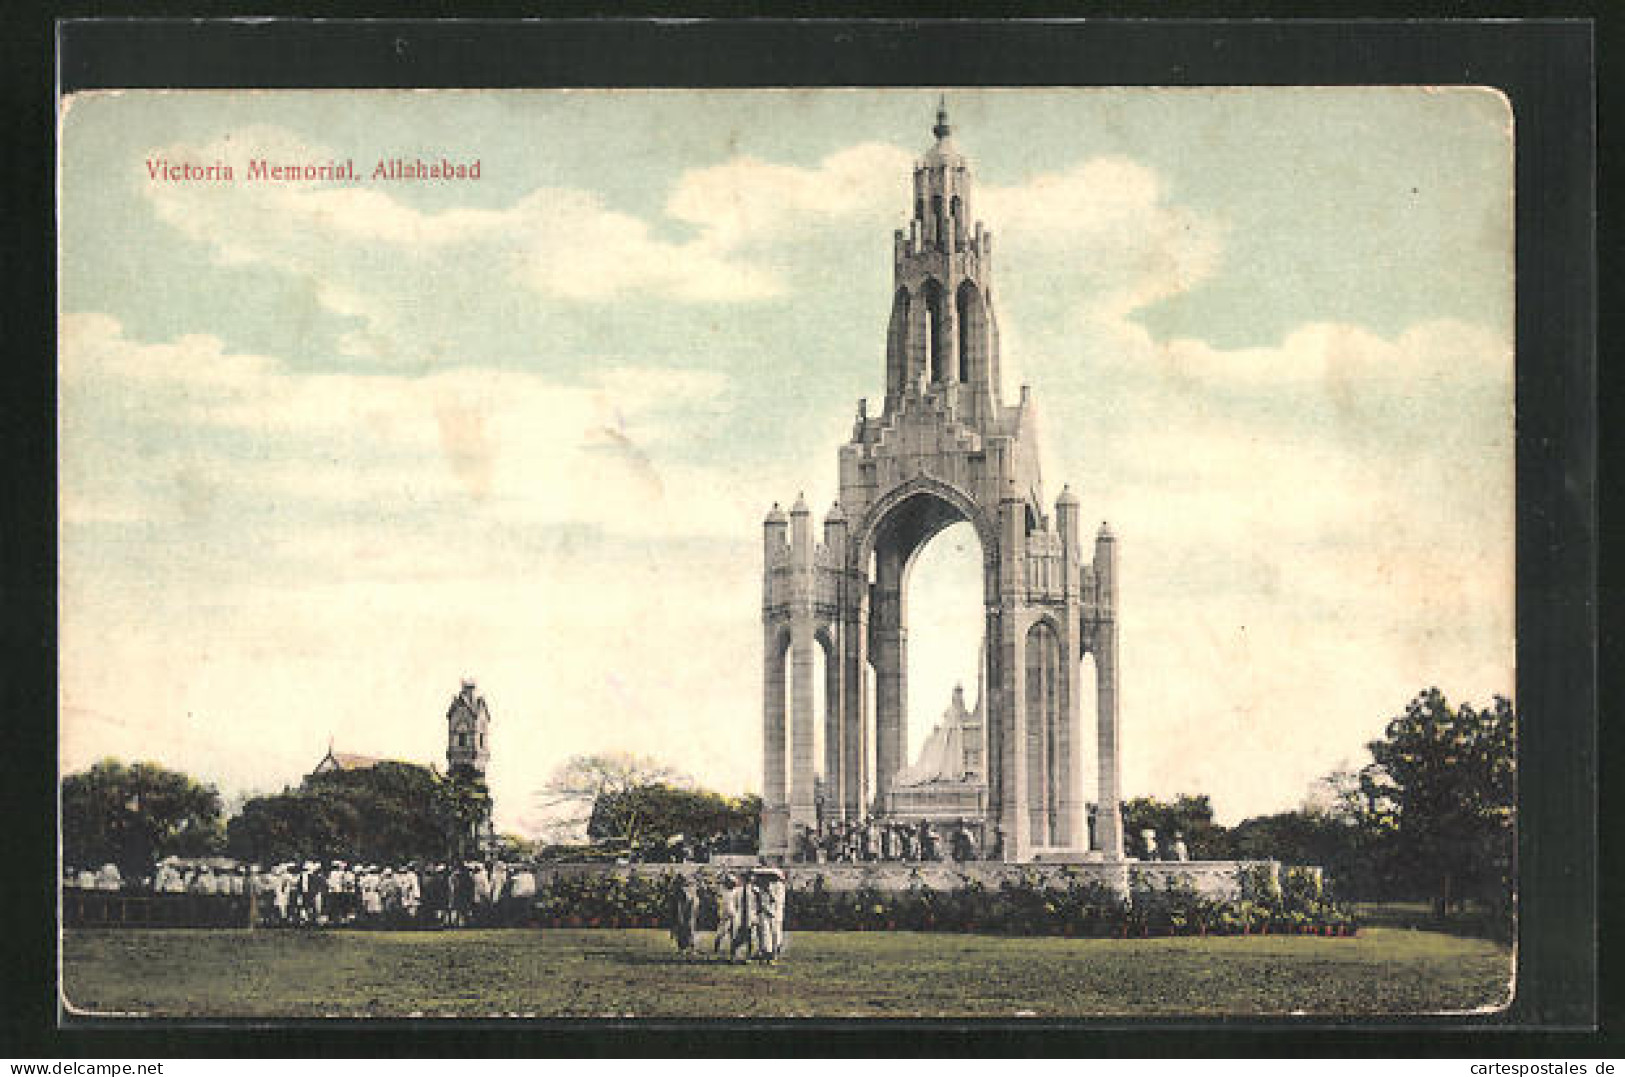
(943, 338)
(468, 731)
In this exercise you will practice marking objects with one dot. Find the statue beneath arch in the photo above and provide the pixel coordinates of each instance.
(945, 448)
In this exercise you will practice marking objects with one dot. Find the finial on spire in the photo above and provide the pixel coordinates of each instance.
(942, 130)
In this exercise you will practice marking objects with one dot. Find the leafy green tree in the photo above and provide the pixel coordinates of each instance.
(1441, 787)
(599, 794)
(464, 811)
(1310, 836)
(294, 826)
(387, 812)
(133, 814)
(1191, 816)
(666, 811)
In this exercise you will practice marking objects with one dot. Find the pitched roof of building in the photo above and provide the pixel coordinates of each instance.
(352, 761)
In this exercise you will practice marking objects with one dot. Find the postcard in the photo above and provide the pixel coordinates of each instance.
(956, 552)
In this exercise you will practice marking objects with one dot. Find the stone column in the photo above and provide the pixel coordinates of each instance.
(1109, 820)
(855, 711)
(993, 744)
(1036, 693)
(1072, 821)
(1072, 825)
(775, 836)
(803, 806)
(1011, 689)
(834, 738)
(1011, 722)
(891, 674)
(833, 582)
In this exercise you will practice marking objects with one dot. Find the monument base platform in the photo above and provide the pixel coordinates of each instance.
(1068, 856)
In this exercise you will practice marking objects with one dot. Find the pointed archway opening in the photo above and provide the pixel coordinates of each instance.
(945, 624)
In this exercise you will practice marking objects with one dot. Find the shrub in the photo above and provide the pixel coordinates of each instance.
(1026, 903)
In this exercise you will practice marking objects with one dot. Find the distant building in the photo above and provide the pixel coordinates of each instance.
(337, 761)
(468, 730)
(468, 751)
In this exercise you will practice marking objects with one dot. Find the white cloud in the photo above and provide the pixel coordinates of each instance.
(1344, 359)
(745, 201)
(1125, 244)
(141, 420)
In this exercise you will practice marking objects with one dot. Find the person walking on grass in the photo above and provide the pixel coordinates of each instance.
(685, 913)
(730, 908)
(768, 893)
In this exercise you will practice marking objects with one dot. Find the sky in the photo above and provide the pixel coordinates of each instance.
(328, 448)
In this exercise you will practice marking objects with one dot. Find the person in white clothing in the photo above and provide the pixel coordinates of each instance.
(411, 892)
(372, 902)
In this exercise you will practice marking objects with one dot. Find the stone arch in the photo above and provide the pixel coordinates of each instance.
(867, 529)
(775, 747)
(890, 535)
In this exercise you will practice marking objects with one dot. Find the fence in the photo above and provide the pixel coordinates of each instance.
(110, 908)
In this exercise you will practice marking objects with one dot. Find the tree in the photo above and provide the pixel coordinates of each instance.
(1442, 783)
(294, 825)
(131, 815)
(1309, 835)
(464, 809)
(581, 783)
(665, 811)
(390, 812)
(1191, 816)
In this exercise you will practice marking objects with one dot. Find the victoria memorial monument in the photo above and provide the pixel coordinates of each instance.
(945, 448)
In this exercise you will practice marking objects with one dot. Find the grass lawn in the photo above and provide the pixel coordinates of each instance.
(608, 973)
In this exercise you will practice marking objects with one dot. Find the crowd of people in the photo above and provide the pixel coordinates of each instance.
(336, 892)
(749, 913)
(867, 840)
(441, 895)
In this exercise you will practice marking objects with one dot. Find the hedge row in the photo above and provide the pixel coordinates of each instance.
(1029, 904)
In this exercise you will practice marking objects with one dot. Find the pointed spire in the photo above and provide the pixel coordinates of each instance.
(942, 129)
(800, 507)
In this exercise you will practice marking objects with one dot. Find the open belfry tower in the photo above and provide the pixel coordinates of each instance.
(945, 448)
